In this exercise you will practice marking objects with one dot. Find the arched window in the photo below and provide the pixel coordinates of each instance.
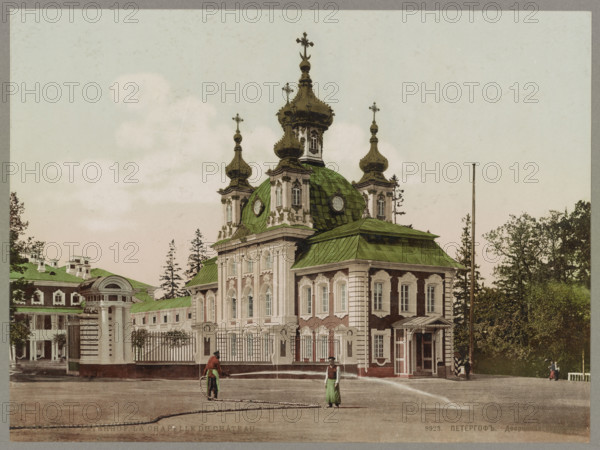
(231, 268)
(233, 307)
(314, 141)
(211, 309)
(268, 260)
(278, 196)
(58, 298)
(250, 305)
(381, 207)
(296, 195)
(229, 213)
(268, 302)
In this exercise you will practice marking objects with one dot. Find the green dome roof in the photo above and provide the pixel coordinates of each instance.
(324, 183)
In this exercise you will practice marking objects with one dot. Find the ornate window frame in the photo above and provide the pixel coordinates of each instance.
(387, 335)
(381, 277)
(380, 207)
(340, 279)
(278, 195)
(37, 294)
(411, 281)
(306, 344)
(61, 294)
(320, 282)
(211, 307)
(232, 300)
(322, 344)
(437, 283)
(75, 295)
(200, 315)
(267, 260)
(303, 285)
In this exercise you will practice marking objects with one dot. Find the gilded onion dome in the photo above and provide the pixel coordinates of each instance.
(306, 108)
(373, 164)
(288, 149)
(238, 170)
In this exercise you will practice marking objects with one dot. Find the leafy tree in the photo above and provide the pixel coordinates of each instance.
(462, 290)
(20, 289)
(520, 245)
(177, 338)
(171, 280)
(560, 323)
(197, 255)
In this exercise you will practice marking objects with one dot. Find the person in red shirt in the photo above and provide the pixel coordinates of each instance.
(212, 371)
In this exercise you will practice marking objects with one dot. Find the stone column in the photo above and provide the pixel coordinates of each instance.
(358, 304)
(119, 335)
(104, 341)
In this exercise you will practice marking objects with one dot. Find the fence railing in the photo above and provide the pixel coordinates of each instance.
(245, 347)
(163, 346)
(578, 376)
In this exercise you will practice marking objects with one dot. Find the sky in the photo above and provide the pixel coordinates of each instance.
(120, 130)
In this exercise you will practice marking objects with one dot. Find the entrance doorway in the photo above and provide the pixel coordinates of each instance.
(424, 352)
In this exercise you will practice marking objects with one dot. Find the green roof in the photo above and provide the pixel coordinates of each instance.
(375, 240)
(157, 305)
(25, 309)
(208, 273)
(105, 273)
(324, 183)
(51, 274)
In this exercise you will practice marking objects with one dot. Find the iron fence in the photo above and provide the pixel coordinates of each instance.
(163, 346)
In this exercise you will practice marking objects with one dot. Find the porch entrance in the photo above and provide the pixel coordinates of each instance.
(424, 352)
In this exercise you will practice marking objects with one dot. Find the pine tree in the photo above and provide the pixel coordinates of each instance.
(197, 255)
(171, 278)
(462, 289)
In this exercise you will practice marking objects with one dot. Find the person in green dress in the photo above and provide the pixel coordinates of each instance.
(332, 384)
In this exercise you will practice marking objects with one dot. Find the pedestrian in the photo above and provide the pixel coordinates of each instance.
(552, 368)
(212, 371)
(467, 367)
(332, 384)
(556, 370)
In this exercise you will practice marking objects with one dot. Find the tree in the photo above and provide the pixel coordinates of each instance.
(20, 289)
(462, 289)
(197, 255)
(519, 244)
(171, 278)
(559, 323)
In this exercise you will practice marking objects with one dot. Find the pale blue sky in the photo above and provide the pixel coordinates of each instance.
(175, 129)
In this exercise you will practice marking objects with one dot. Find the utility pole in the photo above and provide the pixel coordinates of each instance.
(472, 272)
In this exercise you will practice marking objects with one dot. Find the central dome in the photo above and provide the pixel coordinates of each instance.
(324, 184)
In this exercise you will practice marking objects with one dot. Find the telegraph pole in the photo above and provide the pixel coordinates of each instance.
(472, 271)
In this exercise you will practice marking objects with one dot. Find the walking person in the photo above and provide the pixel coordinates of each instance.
(552, 368)
(332, 384)
(212, 371)
(467, 367)
(556, 371)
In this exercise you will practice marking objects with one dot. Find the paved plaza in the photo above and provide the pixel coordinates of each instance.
(484, 409)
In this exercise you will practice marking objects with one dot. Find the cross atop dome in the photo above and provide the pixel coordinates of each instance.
(288, 90)
(304, 42)
(375, 109)
(237, 119)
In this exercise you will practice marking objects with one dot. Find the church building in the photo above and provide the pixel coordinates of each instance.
(310, 265)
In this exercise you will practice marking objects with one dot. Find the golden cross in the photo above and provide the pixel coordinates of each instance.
(304, 42)
(237, 119)
(374, 108)
(288, 90)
